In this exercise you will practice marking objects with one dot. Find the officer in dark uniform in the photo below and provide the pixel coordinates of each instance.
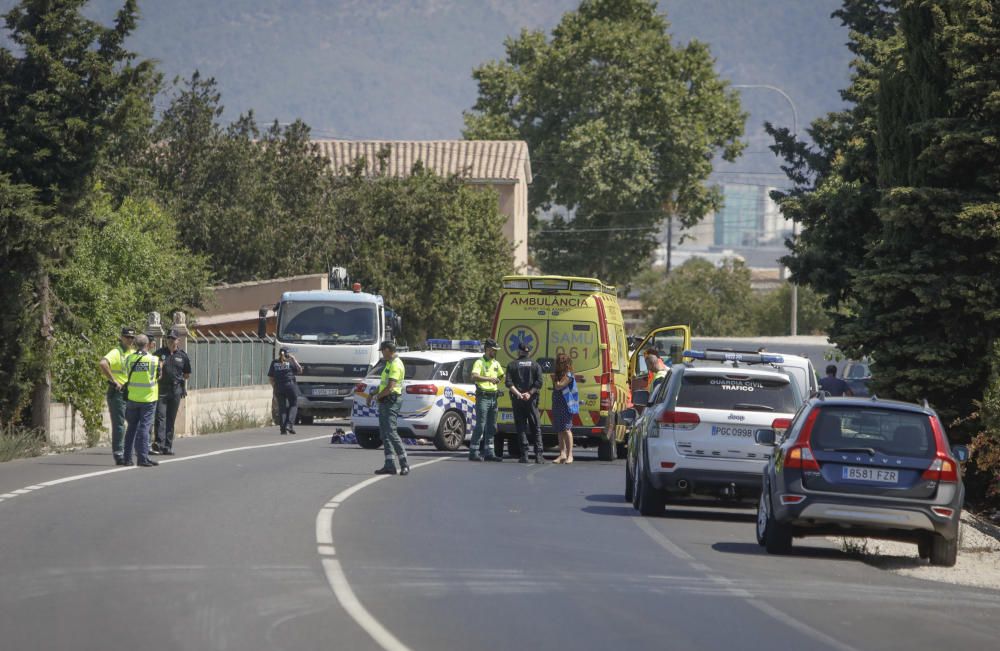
(176, 367)
(281, 375)
(524, 380)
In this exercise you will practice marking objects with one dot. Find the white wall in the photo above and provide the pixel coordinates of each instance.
(66, 425)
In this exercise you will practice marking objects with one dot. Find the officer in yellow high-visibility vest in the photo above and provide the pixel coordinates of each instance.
(487, 374)
(112, 367)
(390, 398)
(142, 391)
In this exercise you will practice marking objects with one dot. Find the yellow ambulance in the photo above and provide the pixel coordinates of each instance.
(579, 317)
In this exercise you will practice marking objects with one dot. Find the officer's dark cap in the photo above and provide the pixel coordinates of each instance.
(491, 343)
(128, 331)
(523, 347)
(388, 345)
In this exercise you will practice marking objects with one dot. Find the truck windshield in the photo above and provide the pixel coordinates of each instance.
(328, 322)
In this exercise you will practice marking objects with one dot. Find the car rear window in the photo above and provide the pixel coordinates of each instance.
(889, 431)
(415, 369)
(737, 392)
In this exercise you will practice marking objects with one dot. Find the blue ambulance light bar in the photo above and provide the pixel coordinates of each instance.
(468, 345)
(735, 356)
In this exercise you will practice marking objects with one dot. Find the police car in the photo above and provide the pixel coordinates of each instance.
(439, 398)
(696, 433)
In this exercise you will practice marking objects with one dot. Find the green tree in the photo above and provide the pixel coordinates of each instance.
(929, 286)
(622, 126)
(714, 301)
(772, 312)
(59, 96)
(115, 276)
(433, 246)
(899, 200)
(258, 203)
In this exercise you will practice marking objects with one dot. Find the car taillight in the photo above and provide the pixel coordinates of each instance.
(800, 455)
(678, 419)
(361, 387)
(943, 511)
(792, 499)
(422, 389)
(943, 468)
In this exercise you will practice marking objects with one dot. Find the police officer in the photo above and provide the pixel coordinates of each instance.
(524, 379)
(142, 381)
(112, 367)
(281, 375)
(390, 398)
(176, 367)
(486, 374)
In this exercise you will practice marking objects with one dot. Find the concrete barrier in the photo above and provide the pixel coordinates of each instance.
(197, 410)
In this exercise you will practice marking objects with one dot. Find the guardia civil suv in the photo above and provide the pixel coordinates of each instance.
(696, 434)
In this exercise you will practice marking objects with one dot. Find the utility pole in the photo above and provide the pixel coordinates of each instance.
(794, 325)
(670, 240)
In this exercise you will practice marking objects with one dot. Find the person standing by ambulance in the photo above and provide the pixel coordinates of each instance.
(524, 379)
(142, 382)
(176, 367)
(390, 399)
(112, 367)
(487, 374)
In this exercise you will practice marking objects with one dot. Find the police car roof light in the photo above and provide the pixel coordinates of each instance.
(734, 356)
(469, 345)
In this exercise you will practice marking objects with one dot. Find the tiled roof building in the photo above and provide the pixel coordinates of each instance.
(504, 165)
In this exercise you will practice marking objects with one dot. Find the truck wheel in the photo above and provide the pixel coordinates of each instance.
(369, 440)
(944, 552)
(451, 432)
(606, 450)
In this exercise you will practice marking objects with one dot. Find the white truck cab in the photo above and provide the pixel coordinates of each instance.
(335, 335)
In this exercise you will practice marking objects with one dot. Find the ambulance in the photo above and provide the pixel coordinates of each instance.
(581, 318)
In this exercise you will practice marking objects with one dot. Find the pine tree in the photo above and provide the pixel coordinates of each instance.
(60, 96)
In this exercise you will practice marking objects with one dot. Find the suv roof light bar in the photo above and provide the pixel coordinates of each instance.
(746, 357)
(469, 345)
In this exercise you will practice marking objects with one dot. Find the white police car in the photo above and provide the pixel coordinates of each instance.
(439, 398)
(696, 434)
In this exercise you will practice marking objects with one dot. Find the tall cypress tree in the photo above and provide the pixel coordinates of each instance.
(60, 97)
(929, 287)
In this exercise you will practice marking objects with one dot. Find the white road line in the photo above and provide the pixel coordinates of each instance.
(109, 471)
(335, 573)
(747, 596)
(662, 540)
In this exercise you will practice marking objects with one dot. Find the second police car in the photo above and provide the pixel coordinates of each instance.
(439, 398)
(696, 433)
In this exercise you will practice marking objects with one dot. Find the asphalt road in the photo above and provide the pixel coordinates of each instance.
(280, 548)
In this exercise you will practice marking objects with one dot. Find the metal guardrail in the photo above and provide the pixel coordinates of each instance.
(220, 360)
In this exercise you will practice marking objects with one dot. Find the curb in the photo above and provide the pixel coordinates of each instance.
(981, 525)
